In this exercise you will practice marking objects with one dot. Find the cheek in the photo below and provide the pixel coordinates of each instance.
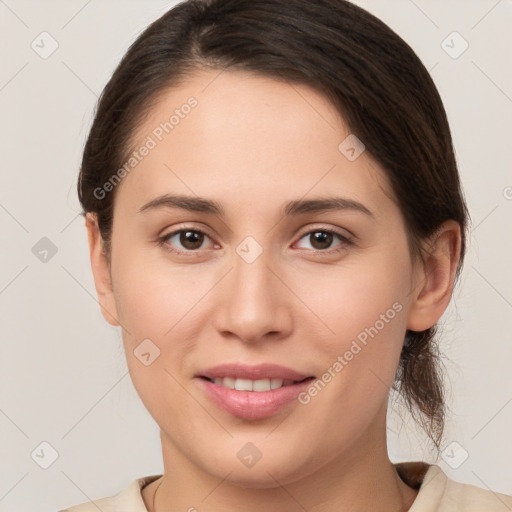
(150, 306)
(150, 297)
(359, 361)
(365, 308)
(353, 297)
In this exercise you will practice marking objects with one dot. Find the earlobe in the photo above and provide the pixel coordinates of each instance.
(435, 278)
(101, 271)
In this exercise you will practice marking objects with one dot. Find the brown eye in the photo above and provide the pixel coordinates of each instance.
(323, 240)
(185, 240)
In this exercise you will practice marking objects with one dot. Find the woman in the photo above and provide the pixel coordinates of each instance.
(276, 222)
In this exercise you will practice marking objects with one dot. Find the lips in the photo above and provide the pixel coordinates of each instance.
(252, 392)
(257, 372)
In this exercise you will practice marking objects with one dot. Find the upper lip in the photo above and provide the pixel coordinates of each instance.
(255, 372)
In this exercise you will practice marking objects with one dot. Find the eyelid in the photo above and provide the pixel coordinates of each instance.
(346, 236)
(344, 243)
(343, 233)
(187, 227)
(163, 239)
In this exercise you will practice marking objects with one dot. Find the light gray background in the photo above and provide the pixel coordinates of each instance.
(63, 376)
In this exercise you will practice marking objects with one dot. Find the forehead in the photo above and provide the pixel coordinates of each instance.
(247, 137)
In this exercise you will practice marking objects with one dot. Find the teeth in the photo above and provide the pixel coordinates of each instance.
(243, 385)
(261, 385)
(252, 385)
(228, 382)
(276, 383)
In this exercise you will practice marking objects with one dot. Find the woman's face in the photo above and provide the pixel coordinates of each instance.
(271, 286)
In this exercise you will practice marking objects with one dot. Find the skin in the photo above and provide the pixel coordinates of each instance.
(252, 144)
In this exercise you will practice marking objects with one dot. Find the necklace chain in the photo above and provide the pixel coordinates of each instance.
(154, 495)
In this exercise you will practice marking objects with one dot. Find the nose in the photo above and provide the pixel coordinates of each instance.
(253, 305)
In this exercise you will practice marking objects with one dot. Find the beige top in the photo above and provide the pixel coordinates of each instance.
(436, 493)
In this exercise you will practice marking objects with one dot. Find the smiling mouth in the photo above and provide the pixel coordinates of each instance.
(259, 385)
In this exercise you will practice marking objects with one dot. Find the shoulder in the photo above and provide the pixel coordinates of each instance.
(105, 505)
(128, 500)
(471, 498)
(437, 492)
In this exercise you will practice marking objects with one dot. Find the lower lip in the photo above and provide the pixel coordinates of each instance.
(253, 405)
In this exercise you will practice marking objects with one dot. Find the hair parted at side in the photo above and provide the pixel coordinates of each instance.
(371, 76)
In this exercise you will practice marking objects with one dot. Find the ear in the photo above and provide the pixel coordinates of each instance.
(101, 271)
(435, 277)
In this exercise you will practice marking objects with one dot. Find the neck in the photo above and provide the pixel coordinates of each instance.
(363, 478)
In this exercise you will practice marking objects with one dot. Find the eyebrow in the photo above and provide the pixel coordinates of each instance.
(297, 207)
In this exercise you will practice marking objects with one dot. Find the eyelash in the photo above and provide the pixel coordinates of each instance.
(345, 241)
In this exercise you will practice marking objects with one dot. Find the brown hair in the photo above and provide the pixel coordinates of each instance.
(371, 76)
